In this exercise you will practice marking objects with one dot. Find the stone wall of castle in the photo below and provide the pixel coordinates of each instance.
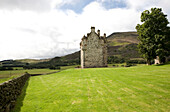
(93, 50)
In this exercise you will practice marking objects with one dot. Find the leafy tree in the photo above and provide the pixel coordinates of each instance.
(115, 59)
(153, 34)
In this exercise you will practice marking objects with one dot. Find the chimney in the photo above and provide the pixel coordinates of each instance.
(104, 35)
(92, 29)
(88, 34)
(98, 32)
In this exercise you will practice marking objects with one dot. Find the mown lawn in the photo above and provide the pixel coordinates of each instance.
(140, 89)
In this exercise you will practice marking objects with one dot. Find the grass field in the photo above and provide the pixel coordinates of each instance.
(7, 75)
(10, 74)
(140, 89)
(115, 43)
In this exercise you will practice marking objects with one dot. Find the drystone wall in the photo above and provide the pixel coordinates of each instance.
(10, 90)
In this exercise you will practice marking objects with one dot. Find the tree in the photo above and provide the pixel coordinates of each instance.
(153, 34)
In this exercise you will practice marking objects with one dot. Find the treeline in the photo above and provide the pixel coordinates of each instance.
(5, 68)
(12, 63)
(57, 62)
(115, 59)
(52, 64)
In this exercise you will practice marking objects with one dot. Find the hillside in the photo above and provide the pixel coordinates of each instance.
(122, 38)
(123, 45)
(32, 60)
(7, 64)
(73, 56)
(120, 44)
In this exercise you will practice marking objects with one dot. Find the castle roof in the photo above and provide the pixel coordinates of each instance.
(98, 34)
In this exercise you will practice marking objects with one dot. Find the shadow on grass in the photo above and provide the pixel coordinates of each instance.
(19, 102)
(159, 64)
(163, 64)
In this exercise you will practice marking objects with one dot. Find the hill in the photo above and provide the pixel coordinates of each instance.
(121, 46)
(8, 64)
(32, 60)
(122, 38)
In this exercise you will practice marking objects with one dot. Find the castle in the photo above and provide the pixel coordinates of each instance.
(93, 50)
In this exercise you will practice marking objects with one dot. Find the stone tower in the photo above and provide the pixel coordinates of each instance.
(93, 50)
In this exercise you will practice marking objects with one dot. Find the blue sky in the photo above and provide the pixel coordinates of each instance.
(110, 4)
(78, 5)
(47, 28)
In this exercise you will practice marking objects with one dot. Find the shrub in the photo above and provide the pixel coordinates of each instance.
(54, 67)
(122, 65)
(115, 59)
(78, 67)
(129, 65)
(136, 62)
(114, 65)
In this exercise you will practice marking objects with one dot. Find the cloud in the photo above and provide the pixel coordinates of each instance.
(141, 5)
(34, 5)
(33, 31)
(26, 34)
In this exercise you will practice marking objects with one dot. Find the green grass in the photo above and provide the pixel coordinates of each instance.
(7, 75)
(115, 43)
(68, 67)
(10, 74)
(140, 89)
(7, 79)
(122, 65)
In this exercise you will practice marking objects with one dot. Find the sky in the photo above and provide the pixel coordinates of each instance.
(40, 29)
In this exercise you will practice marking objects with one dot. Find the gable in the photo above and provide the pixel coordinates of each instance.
(93, 40)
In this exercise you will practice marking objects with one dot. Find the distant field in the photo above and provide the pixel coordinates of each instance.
(118, 43)
(7, 75)
(10, 74)
(33, 60)
(134, 89)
